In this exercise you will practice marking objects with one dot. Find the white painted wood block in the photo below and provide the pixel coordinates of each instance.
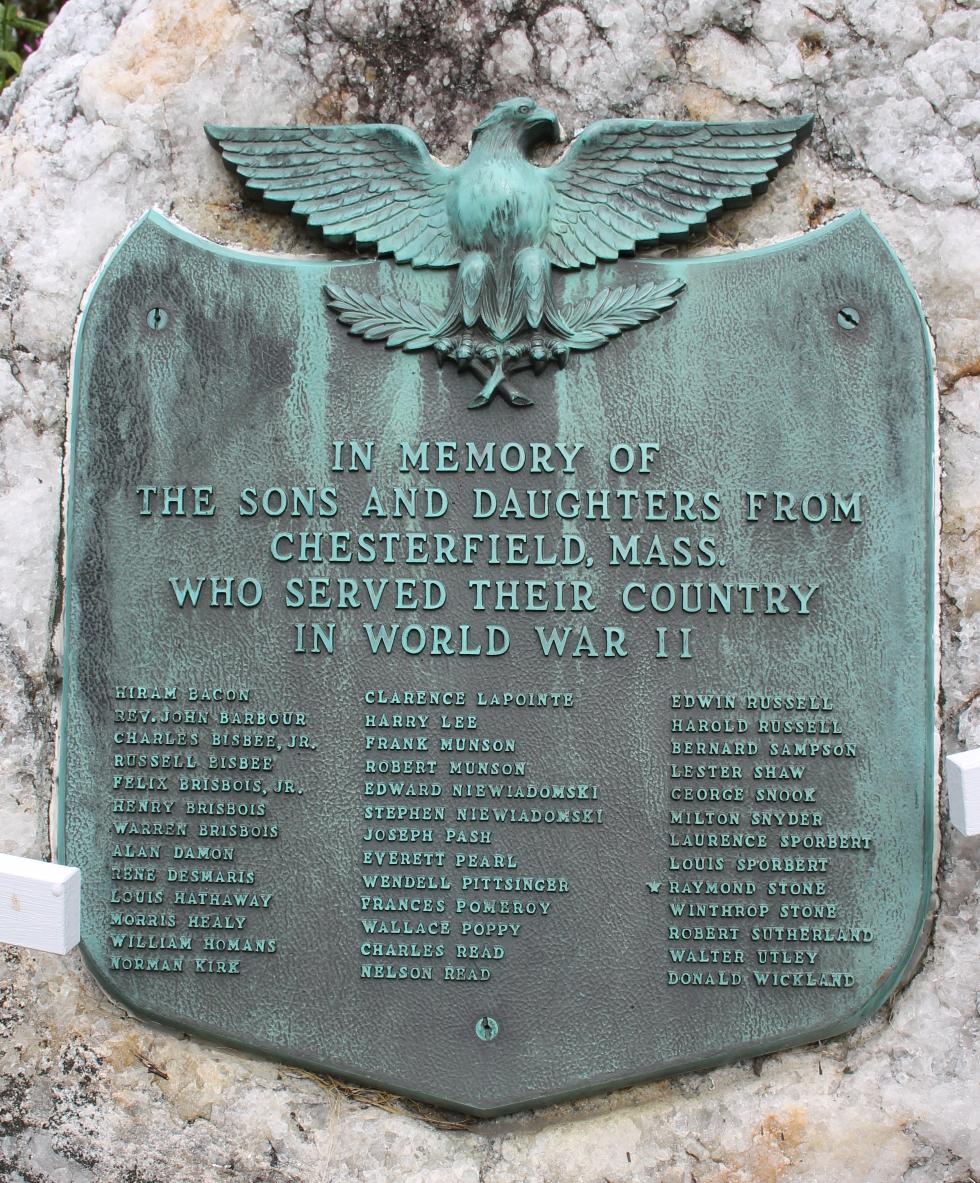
(963, 782)
(39, 904)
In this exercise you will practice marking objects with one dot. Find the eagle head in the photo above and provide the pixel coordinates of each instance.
(520, 121)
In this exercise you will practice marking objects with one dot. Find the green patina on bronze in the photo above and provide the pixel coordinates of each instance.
(803, 368)
(505, 222)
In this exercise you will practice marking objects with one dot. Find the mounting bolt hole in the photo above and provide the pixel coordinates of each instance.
(487, 1028)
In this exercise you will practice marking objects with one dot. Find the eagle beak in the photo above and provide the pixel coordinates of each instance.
(545, 126)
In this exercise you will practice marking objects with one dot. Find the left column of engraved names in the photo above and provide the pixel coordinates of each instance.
(201, 778)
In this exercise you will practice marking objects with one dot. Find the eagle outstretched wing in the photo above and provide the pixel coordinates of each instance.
(625, 183)
(370, 183)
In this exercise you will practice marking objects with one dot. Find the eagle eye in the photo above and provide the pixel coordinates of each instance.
(524, 109)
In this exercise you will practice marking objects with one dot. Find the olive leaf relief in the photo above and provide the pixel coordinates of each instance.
(412, 327)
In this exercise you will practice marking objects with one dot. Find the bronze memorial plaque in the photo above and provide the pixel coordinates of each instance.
(490, 676)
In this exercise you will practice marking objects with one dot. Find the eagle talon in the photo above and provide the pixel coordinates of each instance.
(464, 350)
(560, 353)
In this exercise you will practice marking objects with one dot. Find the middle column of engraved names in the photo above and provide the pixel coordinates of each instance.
(456, 866)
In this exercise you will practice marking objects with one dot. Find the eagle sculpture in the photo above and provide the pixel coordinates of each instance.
(507, 223)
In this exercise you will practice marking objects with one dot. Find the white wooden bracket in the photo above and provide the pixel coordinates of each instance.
(963, 783)
(39, 904)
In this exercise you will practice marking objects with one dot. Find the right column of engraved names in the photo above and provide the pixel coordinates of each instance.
(758, 843)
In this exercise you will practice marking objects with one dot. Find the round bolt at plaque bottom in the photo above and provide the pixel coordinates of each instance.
(487, 1028)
